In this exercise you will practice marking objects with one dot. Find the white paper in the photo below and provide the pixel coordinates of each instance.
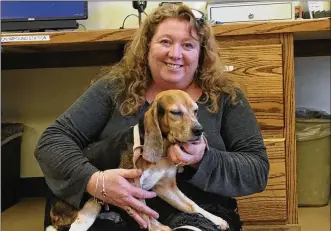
(24, 38)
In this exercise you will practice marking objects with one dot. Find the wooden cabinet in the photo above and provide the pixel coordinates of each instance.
(258, 62)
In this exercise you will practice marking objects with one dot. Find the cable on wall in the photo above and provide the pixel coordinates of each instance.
(122, 27)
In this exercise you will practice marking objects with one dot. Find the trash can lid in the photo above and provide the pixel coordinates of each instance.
(8, 129)
(309, 113)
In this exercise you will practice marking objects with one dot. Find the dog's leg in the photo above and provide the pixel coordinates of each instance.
(167, 190)
(144, 216)
(86, 216)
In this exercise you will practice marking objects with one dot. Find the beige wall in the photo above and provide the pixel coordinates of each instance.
(36, 97)
(105, 14)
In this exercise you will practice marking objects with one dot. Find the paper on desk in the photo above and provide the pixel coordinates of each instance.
(24, 38)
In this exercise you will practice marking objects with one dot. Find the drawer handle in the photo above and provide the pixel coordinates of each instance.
(250, 16)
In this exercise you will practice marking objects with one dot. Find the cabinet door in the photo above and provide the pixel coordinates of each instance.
(259, 70)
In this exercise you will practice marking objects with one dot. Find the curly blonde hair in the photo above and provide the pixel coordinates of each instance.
(131, 77)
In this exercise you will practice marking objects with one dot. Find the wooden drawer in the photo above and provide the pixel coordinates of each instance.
(245, 12)
(269, 205)
(258, 69)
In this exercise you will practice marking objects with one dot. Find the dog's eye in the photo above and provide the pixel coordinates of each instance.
(176, 113)
(195, 111)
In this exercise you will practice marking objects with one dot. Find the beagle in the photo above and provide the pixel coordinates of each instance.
(171, 118)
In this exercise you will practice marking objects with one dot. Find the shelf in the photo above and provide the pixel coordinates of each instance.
(309, 48)
(268, 27)
(69, 41)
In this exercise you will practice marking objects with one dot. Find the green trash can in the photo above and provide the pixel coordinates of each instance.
(313, 160)
(11, 139)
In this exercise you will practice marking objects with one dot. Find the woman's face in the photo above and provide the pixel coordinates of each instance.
(173, 54)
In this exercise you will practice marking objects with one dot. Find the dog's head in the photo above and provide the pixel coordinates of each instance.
(172, 116)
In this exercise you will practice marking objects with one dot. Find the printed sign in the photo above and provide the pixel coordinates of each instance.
(24, 38)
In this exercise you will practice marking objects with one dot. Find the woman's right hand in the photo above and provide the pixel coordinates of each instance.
(121, 193)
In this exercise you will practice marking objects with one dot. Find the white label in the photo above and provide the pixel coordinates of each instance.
(26, 38)
(228, 68)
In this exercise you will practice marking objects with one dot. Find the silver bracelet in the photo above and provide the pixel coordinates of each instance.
(103, 191)
(101, 202)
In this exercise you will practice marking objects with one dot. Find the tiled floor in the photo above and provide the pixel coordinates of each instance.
(28, 216)
(314, 219)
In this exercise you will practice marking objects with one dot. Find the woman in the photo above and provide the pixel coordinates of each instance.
(171, 50)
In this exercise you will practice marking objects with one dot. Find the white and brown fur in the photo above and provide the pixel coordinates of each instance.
(172, 118)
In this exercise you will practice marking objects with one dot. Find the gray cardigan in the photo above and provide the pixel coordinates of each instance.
(235, 165)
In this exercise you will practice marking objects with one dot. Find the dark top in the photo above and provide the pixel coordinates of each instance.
(235, 165)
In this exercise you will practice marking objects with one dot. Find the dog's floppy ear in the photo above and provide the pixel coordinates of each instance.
(153, 141)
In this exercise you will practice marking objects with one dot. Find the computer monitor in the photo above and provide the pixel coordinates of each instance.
(42, 15)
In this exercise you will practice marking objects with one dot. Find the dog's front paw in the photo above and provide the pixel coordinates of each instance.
(220, 223)
(223, 226)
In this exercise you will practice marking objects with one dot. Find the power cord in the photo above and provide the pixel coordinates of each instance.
(122, 27)
(82, 26)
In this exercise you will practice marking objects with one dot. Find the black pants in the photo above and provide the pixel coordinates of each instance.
(223, 207)
(173, 220)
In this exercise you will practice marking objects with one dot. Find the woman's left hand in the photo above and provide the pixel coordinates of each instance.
(188, 153)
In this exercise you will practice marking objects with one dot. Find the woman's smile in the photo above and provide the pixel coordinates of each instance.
(173, 66)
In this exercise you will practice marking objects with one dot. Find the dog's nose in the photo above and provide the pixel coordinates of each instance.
(197, 130)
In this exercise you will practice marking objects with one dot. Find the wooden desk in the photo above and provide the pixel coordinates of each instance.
(262, 56)
(75, 48)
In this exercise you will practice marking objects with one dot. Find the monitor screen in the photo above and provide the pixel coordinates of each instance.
(42, 10)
